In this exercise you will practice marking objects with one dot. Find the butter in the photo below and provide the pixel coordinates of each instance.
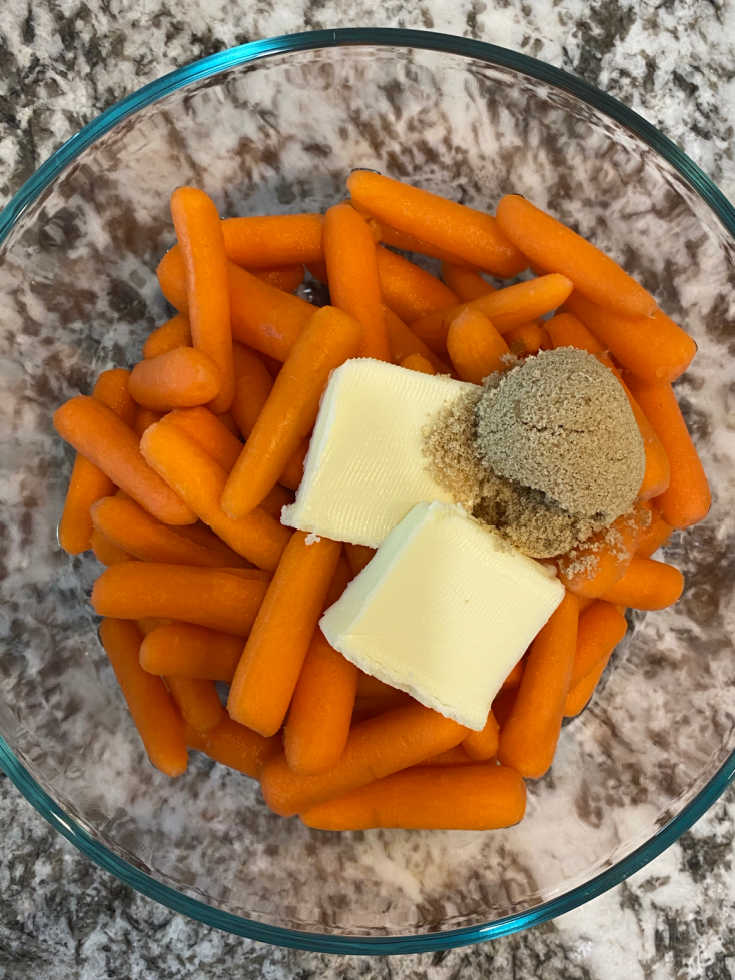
(366, 468)
(443, 611)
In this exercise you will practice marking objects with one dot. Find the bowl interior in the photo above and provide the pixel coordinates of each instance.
(78, 294)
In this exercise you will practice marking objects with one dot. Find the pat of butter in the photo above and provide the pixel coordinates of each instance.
(366, 467)
(443, 611)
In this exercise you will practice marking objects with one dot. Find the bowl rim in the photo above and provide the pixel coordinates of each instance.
(74, 830)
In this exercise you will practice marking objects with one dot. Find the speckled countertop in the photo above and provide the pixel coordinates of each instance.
(62, 62)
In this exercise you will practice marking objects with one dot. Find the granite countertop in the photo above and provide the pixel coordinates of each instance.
(62, 62)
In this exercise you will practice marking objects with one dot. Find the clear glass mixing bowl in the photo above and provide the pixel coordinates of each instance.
(275, 126)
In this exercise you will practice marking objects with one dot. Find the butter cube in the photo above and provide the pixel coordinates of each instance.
(443, 611)
(366, 467)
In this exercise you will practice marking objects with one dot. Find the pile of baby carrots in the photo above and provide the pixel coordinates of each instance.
(185, 461)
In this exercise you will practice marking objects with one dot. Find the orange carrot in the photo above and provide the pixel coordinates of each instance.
(566, 330)
(288, 278)
(202, 245)
(529, 736)
(369, 686)
(294, 469)
(262, 316)
(410, 291)
(209, 433)
(185, 650)
(369, 705)
(472, 235)
(133, 530)
(204, 596)
(557, 248)
(647, 584)
(483, 745)
(181, 378)
(358, 555)
(475, 346)
(96, 432)
(513, 679)
(651, 347)
(430, 798)
(154, 714)
(201, 535)
(404, 342)
(143, 418)
(592, 567)
(526, 339)
(105, 551)
(654, 536)
(465, 282)
(197, 701)
(235, 746)
(507, 308)
(583, 690)
(321, 708)
(252, 387)
(260, 241)
(452, 757)
(417, 362)
(229, 423)
(288, 415)
(601, 628)
(404, 241)
(354, 283)
(275, 500)
(274, 653)
(147, 624)
(170, 335)
(503, 705)
(200, 480)
(687, 499)
(375, 748)
(87, 482)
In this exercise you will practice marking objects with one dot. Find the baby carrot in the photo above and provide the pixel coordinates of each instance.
(201, 535)
(404, 342)
(197, 701)
(202, 245)
(294, 469)
(185, 650)
(205, 428)
(200, 480)
(529, 736)
(583, 690)
(514, 677)
(234, 745)
(687, 499)
(647, 584)
(417, 362)
(375, 748)
(651, 347)
(321, 708)
(452, 757)
(274, 653)
(566, 330)
(472, 235)
(262, 316)
(204, 596)
(181, 378)
(601, 628)
(275, 500)
(112, 389)
(475, 346)
(507, 308)
(96, 432)
(483, 745)
(557, 248)
(154, 714)
(431, 798)
(358, 555)
(252, 387)
(403, 240)
(465, 282)
(409, 290)
(369, 705)
(170, 335)
(285, 277)
(503, 704)
(261, 241)
(143, 418)
(369, 686)
(133, 530)
(654, 536)
(229, 423)
(526, 339)
(354, 283)
(288, 415)
(592, 567)
(105, 551)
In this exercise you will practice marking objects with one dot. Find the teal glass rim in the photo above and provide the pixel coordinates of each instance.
(71, 828)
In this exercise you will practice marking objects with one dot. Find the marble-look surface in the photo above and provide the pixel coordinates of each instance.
(61, 64)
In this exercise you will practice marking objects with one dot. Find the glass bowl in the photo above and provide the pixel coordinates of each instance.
(275, 126)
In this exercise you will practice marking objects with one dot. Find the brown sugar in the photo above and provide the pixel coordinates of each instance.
(537, 516)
